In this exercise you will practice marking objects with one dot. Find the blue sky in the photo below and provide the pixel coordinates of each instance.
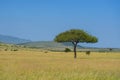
(42, 20)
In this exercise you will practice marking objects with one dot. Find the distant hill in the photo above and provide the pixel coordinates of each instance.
(14, 47)
(12, 40)
(54, 46)
(9, 47)
(49, 45)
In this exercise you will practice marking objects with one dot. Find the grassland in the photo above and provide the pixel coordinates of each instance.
(36, 65)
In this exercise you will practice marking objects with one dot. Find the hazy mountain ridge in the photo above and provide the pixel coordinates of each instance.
(8, 42)
(40, 44)
(50, 45)
(12, 40)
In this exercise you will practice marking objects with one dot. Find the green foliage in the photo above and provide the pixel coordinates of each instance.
(67, 50)
(75, 35)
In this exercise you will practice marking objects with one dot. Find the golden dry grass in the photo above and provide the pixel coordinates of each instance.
(36, 65)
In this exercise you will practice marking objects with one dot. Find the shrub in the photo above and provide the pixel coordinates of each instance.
(46, 52)
(67, 50)
(14, 49)
(6, 49)
(87, 52)
(110, 49)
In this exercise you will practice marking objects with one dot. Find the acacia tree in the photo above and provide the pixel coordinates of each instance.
(75, 36)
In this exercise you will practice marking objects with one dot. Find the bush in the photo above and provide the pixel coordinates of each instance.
(14, 49)
(87, 52)
(110, 49)
(46, 52)
(5, 49)
(67, 50)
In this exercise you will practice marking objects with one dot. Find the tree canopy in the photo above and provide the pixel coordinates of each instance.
(75, 35)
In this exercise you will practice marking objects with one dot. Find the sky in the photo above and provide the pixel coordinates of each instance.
(42, 20)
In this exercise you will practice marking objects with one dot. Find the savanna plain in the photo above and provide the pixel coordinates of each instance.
(40, 65)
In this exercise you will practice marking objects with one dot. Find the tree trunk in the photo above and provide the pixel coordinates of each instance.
(75, 55)
(75, 45)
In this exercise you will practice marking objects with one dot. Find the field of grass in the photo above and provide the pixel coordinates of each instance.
(36, 65)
